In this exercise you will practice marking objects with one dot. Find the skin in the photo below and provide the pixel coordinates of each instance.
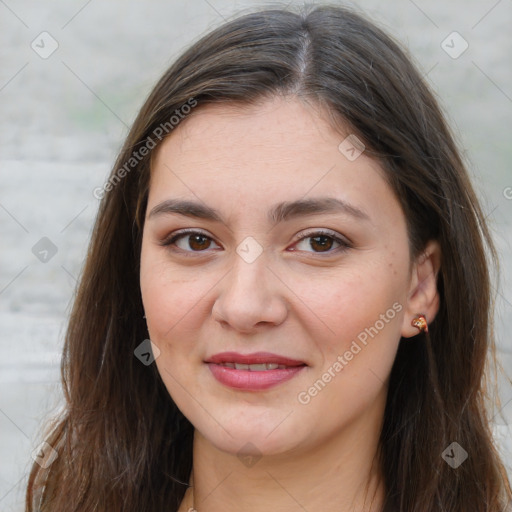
(295, 299)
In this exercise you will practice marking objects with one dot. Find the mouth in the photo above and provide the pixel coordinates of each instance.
(254, 367)
(256, 362)
(253, 372)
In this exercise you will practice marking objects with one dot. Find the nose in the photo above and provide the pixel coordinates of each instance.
(250, 297)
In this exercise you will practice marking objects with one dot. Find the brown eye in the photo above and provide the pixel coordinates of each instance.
(189, 241)
(198, 242)
(321, 242)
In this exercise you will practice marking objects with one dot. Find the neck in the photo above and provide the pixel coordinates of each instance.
(342, 475)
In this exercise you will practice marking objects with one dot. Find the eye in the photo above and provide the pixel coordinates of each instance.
(192, 241)
(322, 242)
(189, 241)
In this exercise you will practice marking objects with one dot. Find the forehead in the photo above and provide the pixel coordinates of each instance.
(252, 155)
(231, 129)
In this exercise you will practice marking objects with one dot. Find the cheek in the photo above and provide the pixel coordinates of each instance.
(173, 300)
(173, 305)
(365, 312)
(353, 301)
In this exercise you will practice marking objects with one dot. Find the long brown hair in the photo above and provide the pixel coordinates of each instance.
(122, 443)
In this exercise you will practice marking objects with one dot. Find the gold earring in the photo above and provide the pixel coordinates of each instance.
(420, 322)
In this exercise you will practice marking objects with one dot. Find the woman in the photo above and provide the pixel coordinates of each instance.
(291, 225)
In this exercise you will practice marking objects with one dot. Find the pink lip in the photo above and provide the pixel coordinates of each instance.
(253, 380)
(254, 358)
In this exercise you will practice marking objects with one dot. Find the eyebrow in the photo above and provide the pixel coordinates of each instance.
(279, 212)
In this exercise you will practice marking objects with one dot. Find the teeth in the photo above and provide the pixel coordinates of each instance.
(255, 367)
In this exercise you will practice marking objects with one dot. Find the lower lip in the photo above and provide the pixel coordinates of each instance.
(255, 381)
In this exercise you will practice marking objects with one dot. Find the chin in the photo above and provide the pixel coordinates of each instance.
(256, 438)
(253, 445)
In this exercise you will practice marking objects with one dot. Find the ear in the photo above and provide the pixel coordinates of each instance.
(423, 296)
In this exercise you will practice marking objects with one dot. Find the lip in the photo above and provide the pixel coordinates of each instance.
(253, 380)
(254, 358)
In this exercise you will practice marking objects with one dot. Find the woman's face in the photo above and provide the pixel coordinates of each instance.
(262, 235)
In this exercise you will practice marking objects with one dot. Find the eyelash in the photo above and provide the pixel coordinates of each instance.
(170, 240)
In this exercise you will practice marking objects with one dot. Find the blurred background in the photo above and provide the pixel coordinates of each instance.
(73, 75)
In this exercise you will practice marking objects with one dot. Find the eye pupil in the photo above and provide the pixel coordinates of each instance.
(196, 239)
(325, 244)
